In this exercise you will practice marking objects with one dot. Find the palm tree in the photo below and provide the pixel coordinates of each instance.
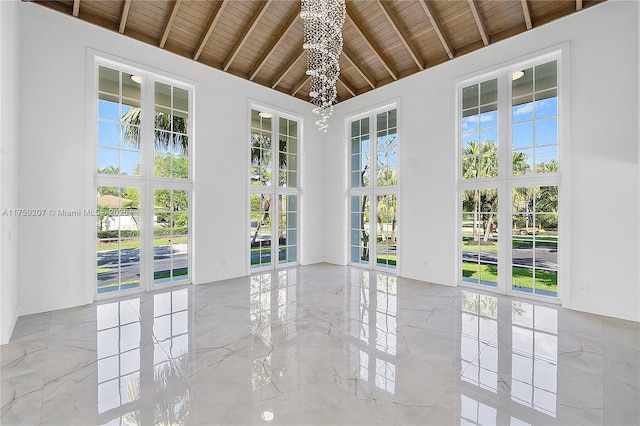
(479, 161)
(519, 163)
(164, 124)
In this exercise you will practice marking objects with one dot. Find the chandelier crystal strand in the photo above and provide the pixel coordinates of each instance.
(323, 21)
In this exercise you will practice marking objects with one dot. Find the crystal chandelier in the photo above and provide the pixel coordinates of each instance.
(323, 20)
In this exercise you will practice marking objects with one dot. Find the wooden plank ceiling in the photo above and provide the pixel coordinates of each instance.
(261, 40)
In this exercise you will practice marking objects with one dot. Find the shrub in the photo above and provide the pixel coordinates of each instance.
(132, 233)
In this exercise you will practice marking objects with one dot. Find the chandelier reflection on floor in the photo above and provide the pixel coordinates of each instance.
(323, 20)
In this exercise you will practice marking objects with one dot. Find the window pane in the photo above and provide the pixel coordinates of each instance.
(386, 233)
(118, 227)
(287, 159)
(489, 92)
(287, 228)
(108, 80)
(360, 168)
(535, 120)
(546, 76)
(171, 235)
(523, 85)
(108, 134)
(119, 123)
(162, 95)
(359, 229)
(522, 108)
(386, 152)
(479, 126)
(479, 236)
(108, 161)
(261, 150)
(130, 87)
(171, 132)
(130, 163)
(535, 239)
(108, 107)
(180, 99)
(260, 230)
(470, 97)
(523, 135)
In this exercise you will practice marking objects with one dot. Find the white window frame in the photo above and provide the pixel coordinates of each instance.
(274, 189)
(372, 190)
(506, 181)
(145, 181)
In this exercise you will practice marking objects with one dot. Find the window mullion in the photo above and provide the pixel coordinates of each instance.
(146, 201)
(275, 187)
(504, 171)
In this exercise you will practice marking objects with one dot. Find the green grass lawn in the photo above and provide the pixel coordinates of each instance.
(129, 244)
(519, 241)
(164, 274)
(522, 277)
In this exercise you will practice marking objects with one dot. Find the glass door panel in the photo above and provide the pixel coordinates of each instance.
(534, 253)
(118, 236)
(171, 236)
(287, 228)
(260, 230)
(386, 232)
(359, 232)
(480, 236)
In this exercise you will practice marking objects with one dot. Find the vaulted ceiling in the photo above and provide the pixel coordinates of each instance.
(261, 40)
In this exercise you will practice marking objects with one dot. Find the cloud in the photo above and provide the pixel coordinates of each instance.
(523, 109)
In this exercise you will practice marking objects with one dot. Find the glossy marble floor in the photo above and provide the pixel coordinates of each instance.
(322, 345)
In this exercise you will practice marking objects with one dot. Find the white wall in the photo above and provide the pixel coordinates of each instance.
(9, 102)
(55, 262)
(603, 179)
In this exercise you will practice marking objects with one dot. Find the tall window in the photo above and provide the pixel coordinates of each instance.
(373, 200)
(273, 227)
(142, 179)
(520, 105)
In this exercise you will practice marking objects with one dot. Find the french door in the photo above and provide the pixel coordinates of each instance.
(142, 179)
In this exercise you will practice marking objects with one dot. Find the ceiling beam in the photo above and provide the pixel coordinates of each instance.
(284, 30)
(527, 14)
(475, 10)
(579, 5)
(125, 15)
(402, 32)
(284, 70)
(370, 81)
(213, 20)
(248, 29)
(376, 50)
(167, 27)
(347, 86)
(76, 8)
(300, 84)
(435, 23)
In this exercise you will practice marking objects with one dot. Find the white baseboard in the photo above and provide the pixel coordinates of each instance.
(7, 329)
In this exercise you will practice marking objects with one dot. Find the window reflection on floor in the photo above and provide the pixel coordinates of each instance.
(272, 309)
(372, 303)
(118, 347)
(473, 412)
(534, 358)
(127, 368)
(514, 344)
(479, 340)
